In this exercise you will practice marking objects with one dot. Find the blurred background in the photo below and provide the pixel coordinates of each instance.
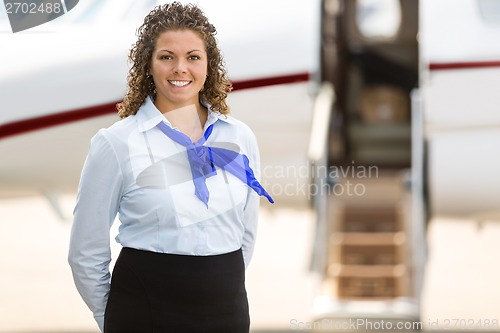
(378, 125)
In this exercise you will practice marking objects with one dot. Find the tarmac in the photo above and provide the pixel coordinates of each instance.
(37, 294)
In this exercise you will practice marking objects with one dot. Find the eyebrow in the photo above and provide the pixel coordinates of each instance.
(172, 52)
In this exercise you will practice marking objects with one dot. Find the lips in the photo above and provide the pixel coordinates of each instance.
(179, 83)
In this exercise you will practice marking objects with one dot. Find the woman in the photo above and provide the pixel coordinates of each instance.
(178, 171)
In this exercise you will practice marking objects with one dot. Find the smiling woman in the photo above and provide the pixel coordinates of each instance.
(180, 172)
(157, 39)
(179, 69)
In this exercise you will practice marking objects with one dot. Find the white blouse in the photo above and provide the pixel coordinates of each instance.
(134, 170)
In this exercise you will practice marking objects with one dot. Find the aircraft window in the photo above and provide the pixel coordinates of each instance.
(90, 12)
(378, 19)
(139, 9)
(3, 13)
(4, 19)
(490, 10)
(98, 11)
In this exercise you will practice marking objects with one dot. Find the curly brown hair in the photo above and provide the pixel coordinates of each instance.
(174, 16)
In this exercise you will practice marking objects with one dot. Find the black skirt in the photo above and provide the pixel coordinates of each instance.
(161, 293)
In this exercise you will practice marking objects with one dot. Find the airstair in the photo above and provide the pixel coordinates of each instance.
(368, 247)
(367, 161)
(370, 243)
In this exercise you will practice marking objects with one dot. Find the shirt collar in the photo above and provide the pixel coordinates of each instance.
(148, 116)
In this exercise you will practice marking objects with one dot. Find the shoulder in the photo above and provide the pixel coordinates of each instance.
(236, 122)
(238, 130)
(121, 126)
(118, 130)
(237, 125)
(113, 139)
(234, 131)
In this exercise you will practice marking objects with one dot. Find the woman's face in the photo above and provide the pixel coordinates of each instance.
(179, 68)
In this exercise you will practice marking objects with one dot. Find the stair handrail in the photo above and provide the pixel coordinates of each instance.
(318, 158)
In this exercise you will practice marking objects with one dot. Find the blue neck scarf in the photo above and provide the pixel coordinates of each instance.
(204, 159)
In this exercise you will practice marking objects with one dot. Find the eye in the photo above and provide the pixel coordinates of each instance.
(194, 57)
(165, 57)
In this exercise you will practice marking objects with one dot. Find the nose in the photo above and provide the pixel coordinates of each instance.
(180, 66)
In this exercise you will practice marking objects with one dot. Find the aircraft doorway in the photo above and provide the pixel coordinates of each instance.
(372, 260)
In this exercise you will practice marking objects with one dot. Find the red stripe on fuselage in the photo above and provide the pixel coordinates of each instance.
(462, 65)
(270, 81)
(38, 123)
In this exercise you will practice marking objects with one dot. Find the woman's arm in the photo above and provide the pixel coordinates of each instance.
(97, 204)
(251, 213)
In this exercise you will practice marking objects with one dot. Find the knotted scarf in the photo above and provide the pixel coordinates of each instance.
(203, 160)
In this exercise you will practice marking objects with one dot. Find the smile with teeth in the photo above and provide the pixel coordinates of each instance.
(179, 83)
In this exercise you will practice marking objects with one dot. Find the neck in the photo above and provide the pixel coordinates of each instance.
(189, 119)
(165, 105)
